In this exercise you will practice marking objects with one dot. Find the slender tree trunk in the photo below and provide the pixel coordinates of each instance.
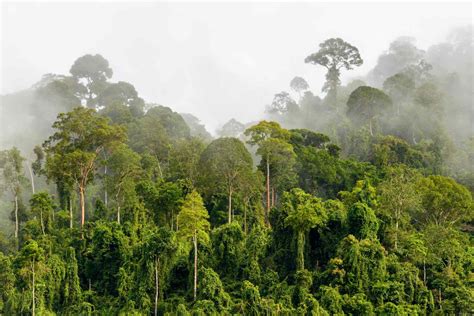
(118, 214)
(396, 234)
(268, 191)
(300, 242)
(31, 178)
(230, 205)
(70, 212)
(159, 168)
(245, 218)
(413, 135)
(157, 284)
(424, 271)
(396, 229)
(83, 206)
(172, 220)
(195, 264)
(41, 221)
(105, 185)
(16, 216)
(370, 127)
(33, 307)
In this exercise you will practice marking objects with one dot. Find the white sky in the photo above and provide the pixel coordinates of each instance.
(214, 60)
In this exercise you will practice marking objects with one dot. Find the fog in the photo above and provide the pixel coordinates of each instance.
(215, 61)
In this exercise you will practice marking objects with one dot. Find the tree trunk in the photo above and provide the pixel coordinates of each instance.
(230, 205)
(300, 245)
(268, 191)
(16, 216)
(41, 221)
(424, 271)
(83, 206)
(157, 284)
(105, 186)
(118, 214)
(370, 127)
(245, 218)
(31, 178)
(172, 220)
(33, 307)
(70, 212)
(159, 168)
(396, 229)
(195, 264)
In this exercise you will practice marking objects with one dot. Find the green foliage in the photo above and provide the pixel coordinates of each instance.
(225, 167)
(391, 150)
(304, 212)
(228, 244)
(184, 158)
(211, 289)
(193, 218)
(358, 305)
(121, 93)
(104, 256)
(362, 221)
(366, 103)
(444, 202)
(331, 300)
(363, 262)
(367, 217)
(72, 152)
(42, 206)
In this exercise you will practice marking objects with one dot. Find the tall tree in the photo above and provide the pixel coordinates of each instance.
(398, 196)
(73, 150)
(31, 259)
(304, 212)
(224, 165)
(282, 103)
(11, 162)
(400, 87)
(184, 159)
(94, 70)
(158, 249)
(155, 132)
(444, 202)
(42, 205)
(197, 129)
(335, 54)
(299, 85)
(232, 128)
(122, 93)
(124, 170)
(366, 103)
(63, 180)
(273, 147)
(194, 224)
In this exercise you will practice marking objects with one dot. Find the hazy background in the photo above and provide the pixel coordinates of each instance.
(216, 61)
